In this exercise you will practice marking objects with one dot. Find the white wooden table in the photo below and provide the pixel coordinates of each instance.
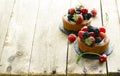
(32, 44)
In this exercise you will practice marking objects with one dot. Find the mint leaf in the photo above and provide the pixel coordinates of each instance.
(88, 41)
(75, 17)
(79, 57)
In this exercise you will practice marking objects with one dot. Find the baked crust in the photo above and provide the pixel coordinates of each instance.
(70, 25)
(96, 48)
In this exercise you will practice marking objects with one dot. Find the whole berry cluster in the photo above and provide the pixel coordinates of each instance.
(79, 14)
(91, 35)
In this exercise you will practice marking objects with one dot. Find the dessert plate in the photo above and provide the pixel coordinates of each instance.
(65, 31)
(91, 56)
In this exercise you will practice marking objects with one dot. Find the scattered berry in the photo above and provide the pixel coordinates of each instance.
(102, 35)
(93, 12)
(84, 11)
(71, 11)
(103, 58)
(90, 41)
(85, 35)
(84, 29)
(80, 19)
(98, 39)
(102, 29)
(72, 37)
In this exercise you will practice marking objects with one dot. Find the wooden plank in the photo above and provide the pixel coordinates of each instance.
(113, 32)
(86, 66)
(17, 47)
(50, 44)
(6, 7)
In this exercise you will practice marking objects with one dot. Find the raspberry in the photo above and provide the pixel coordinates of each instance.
(93, 12)
(71, 11)
(102, 35)
(72, 37)
(84, 11)
(80, 19)
(102, 29)
(84, 29)
(103, 58)
(92, 34)
(80, 34)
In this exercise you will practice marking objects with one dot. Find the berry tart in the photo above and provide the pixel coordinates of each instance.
(93, 40)
(77, 18)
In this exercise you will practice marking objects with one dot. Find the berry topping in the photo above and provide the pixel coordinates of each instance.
(102, 29)
(85, 35)
(71, 11)
(78, 11)
(96, 31)
(72, 37)
(84, 11)
(70, 17)
(84, 16)
(90, 41)
(80, 34)
(98, 39)
(103, 58)
(89, 15)
(80, 19)
(93, 12)
(92, 34)
(90, 28)
(84, 29)
(102, 35)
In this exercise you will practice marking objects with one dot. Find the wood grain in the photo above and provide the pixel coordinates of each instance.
(18, 43)
(49, 48)
(6, 7)
(113, 32)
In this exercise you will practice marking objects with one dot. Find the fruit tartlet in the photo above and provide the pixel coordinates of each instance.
(93, 39)
(78, 17)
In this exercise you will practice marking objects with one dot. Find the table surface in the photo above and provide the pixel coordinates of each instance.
(31, 42)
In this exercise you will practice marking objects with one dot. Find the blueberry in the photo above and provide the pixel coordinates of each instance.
(98, 39)
(85, 35)
(89, 15)
(96, 31)
(70, 16)
(84, 16)
(77, 12)
(90, 28)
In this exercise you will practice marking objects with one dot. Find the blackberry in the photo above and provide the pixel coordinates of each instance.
(85, 35)
(89, 15)
(84, 16)
(96, 31)
(70, 17)
(78, 11)
(98, 39)
(90, 28)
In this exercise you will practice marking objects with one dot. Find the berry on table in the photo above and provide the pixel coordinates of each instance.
(93, 12)
(72, 37)
(103, 58)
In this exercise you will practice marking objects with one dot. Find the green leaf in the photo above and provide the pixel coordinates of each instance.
(79, 57)
(88, 41)
(75, 17)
